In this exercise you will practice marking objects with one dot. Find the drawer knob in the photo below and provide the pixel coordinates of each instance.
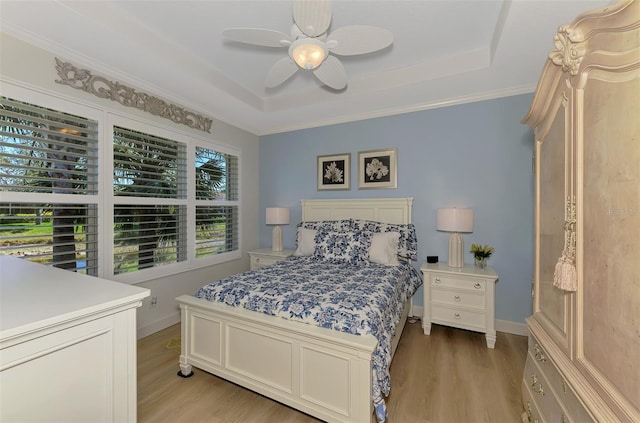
(457, 315)
(477, 285)
(530, 414)
(437, 280)
(534, 381)
(456, 298)
(539, 354)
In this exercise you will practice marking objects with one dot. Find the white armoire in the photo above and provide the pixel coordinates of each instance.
(583, 362)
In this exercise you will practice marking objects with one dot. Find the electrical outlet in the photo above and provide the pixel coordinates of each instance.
(154, 301)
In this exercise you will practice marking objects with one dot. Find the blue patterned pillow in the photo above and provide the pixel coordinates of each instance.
(342, 246)
(334, 225)
(408, 242)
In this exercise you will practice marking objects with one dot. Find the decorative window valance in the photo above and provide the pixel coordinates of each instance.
(99, 86)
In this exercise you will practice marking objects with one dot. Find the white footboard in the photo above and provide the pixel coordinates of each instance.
(322, 372)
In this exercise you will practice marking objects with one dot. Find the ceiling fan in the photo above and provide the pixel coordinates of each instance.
(309, 44)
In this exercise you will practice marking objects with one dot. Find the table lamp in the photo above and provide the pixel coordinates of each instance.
(455, 220)
(277, 216)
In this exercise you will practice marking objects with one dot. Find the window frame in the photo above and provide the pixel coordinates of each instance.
(107, 118)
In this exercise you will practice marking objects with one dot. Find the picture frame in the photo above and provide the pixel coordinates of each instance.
(334, 172)
(378, 169)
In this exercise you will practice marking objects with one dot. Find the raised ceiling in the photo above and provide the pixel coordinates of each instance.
(444, 52)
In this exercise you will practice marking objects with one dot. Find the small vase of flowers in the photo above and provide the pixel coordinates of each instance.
(481, 254)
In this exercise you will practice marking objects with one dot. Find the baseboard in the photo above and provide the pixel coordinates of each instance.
(506, 326)
(158, 325)
(416, 310)
(514, 328)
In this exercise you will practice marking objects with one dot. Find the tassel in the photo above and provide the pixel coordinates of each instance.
(565, 276)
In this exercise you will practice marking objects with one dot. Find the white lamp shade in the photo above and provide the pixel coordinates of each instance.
(455, 220)
(277, 216)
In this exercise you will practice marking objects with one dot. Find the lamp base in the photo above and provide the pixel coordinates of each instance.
(456, 250)
(276, 239)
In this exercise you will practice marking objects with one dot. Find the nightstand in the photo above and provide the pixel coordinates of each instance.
(266, 256)
(460, 297)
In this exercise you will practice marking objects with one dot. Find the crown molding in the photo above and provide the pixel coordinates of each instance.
(483, 96)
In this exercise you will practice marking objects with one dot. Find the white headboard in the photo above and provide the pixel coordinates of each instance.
(386, 210)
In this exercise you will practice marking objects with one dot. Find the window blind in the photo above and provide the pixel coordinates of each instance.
(150, 233)
(216, 175)
(217, 228)
(47, 151)
(170, 200)
(147, 166)
(148, 236)
(44, 151)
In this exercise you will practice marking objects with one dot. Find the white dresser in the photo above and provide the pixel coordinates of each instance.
(460, 297)
(67, 345)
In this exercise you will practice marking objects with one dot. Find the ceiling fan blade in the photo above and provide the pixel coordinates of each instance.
(358, 39)
(312, 16)
(258, 36)
(332, 73)
(280, 72)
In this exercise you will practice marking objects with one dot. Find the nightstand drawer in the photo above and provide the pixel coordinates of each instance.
(258, 261)
(266, 257)
(458, 298)
(451, 316)
(472, 284)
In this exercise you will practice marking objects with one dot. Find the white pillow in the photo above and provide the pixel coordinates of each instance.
(306, 242)
(384, 248)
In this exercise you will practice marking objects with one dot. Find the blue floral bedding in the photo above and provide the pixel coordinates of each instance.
(354, 299)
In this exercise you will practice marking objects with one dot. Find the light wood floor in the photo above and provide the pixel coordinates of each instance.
(447, 377)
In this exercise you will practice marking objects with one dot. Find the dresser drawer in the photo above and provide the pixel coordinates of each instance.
(531, 408)
(459, 282)
(462, 318)
(541, 392)
(457, 297)
(574, 410)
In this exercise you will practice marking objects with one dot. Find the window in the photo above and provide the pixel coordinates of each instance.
(150, 232)
(49, 179)
(216, 202)
(170, 202)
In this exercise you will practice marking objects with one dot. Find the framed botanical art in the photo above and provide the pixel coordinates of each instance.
(377, 169)
(334, 172)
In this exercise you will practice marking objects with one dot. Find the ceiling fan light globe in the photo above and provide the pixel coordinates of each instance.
(308, 53)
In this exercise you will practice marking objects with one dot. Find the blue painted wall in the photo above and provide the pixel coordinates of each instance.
(475, 155)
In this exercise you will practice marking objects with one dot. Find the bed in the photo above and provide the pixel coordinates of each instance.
(332, 367)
